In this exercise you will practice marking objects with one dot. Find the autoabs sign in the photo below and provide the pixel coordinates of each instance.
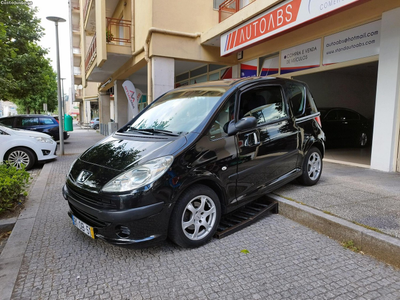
(287, 15)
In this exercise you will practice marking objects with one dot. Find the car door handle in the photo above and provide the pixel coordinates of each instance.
(251, 140)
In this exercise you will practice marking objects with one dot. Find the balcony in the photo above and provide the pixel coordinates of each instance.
(91, 54)
(114, 50)
(118, 31)
(230, 7)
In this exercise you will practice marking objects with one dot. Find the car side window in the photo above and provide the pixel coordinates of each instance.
(219, 127)
(46, 121)
(348, 115)
(3, 133)
(311, 108)
(331, 116)
(30, 121)
(266, 104)
(296, 98)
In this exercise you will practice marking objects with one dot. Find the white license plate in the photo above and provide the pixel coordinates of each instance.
(82, 226)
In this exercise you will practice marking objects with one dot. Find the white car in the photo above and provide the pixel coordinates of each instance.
(26, 147)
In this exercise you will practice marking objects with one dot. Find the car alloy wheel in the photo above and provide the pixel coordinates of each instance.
(195, 217)
(312, 167)
(19, 157)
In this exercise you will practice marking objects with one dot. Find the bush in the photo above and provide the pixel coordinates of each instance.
(13, 184)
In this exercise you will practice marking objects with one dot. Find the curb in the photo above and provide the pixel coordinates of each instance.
(379, 245)
(14, 250)
(7, 224)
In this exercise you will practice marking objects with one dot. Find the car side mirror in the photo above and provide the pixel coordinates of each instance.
(242, 124)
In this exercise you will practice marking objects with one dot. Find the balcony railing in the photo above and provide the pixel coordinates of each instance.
(91, 54)
(230, 7)
(120, 30)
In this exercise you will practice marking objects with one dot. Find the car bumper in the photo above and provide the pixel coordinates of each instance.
(136, 226)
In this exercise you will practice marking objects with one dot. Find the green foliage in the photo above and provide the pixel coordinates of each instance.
(351, 246)
(13, 183)
(26, 76)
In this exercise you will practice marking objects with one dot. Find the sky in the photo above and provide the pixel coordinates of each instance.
(57, 8)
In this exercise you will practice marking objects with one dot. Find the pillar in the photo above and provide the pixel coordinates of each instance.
(121, 104)
(162, 75)
(386, 121)
(104, 112)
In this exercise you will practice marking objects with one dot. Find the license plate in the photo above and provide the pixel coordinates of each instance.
(82, 226)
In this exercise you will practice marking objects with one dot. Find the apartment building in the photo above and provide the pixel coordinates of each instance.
(347, 51)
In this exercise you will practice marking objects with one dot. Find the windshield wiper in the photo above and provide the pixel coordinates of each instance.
(153, 131)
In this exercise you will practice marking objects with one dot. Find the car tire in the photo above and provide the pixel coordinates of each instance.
(95, 127)
(195, 217)
(312, 167)
(18, 156)
(362, 140)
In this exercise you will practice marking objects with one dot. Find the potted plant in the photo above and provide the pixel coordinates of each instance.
(109, 36)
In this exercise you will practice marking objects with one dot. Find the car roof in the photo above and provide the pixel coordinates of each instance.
(238, 82)
(27, 115)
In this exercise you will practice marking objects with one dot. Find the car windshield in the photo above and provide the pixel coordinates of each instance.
(178, 111)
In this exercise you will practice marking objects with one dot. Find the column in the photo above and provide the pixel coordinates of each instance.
(121, 104)
(162, 75)
(104, 112)
(386, 122)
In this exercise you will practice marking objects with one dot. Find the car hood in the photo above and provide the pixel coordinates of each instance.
(116, 154)
(22, 132)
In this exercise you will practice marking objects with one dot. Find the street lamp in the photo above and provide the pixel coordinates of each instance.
(61, 125)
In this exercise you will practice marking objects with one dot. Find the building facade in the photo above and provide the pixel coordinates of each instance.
(347, 51)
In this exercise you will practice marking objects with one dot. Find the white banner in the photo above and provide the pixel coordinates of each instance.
(301, 57)
(358, 42)
(130, 92)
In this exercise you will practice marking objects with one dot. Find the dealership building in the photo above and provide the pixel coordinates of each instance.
(347, 51)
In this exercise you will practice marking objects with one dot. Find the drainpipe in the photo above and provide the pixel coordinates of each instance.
(146, 53)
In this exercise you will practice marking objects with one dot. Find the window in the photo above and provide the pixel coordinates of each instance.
(220, 126)
(331, 116)
(217, 3)
(9, 122)
(26, 122)
(347, 115)
(265, 104)
(296, 96)
(46, 121)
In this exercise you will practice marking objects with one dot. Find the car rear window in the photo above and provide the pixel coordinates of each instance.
(8, 122)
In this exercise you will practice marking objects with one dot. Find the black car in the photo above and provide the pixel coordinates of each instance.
(345, 127)
(41, 123)
(194, 154)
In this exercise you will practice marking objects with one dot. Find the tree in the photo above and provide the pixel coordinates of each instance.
(26, 76)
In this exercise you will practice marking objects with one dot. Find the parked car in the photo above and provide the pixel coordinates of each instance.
(344, 126)
(95, 123)
(23, 147)
(192, 155)
(39, 123)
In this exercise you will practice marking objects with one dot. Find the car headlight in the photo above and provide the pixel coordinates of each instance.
(140, 175)
(43, 139)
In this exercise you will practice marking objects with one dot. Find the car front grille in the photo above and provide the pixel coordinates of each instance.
(91, 200)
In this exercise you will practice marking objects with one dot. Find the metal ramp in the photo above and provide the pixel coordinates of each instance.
(245, 216)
